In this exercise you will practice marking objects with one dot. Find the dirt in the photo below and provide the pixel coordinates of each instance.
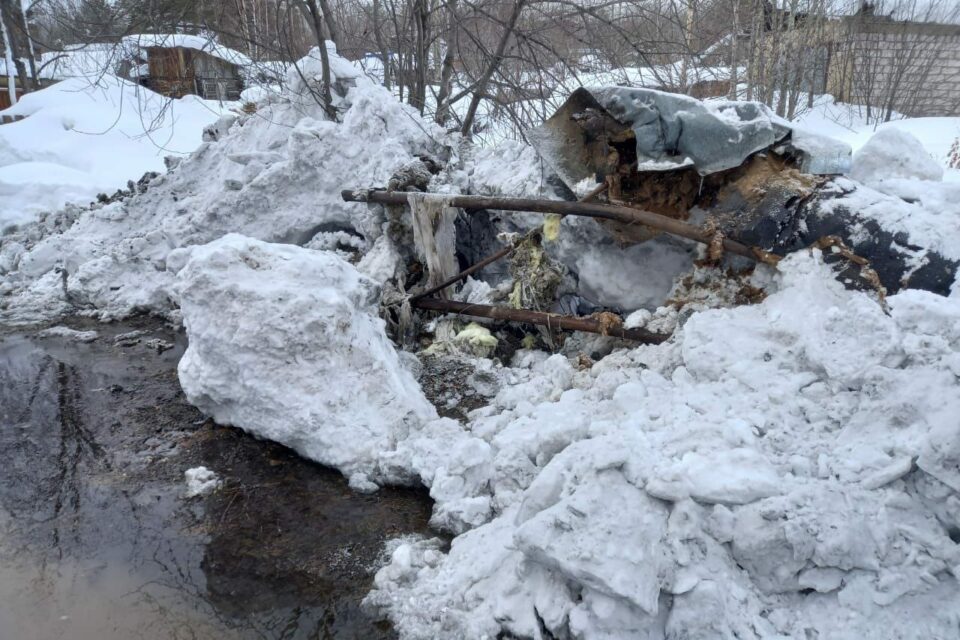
(98, 541)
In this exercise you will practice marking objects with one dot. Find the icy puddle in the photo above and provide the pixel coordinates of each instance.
(98, 542)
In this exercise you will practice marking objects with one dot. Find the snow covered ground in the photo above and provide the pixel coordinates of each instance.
(90, 135)
(848, 123)
(789, 469)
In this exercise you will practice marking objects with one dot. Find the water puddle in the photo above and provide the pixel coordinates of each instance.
(98, 542)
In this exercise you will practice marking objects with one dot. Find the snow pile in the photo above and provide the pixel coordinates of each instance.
(891, 154)
(272, 323)
(200, 481)
(904, 193)
(89, 135)
(848, 123)
(285, 343)
(782, 470)
(275, 175)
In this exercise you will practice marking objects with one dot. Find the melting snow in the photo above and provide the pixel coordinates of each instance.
(787, 469)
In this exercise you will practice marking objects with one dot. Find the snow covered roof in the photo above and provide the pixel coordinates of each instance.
(188, 41)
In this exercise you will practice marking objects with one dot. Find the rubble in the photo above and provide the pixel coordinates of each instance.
(772, 189)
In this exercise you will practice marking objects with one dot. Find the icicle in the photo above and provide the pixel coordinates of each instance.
(434, 235)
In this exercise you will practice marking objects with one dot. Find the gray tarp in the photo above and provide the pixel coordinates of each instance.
(680, 130)
(674, 130)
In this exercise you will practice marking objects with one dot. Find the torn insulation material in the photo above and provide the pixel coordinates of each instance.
(536, 277)
(434, 235)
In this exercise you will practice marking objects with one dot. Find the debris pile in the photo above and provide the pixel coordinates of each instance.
(713, 430)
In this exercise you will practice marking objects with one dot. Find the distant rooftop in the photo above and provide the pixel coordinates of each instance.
(187, 41)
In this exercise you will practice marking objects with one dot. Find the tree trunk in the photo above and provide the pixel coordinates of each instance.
(734, 51)
(332, 32)
(418, 93)
(8, 57)
(32, 57)
(491, 68)
(11, 15)
(446, 71)
(316, 20)
(378, 36)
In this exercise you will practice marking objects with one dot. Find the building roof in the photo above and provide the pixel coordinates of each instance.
(206, 44)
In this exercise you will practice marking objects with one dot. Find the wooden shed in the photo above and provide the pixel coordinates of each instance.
(178, 71)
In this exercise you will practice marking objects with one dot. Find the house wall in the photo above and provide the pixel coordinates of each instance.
(216, 79)
(171, 71)
(178, 71)
(913, 68)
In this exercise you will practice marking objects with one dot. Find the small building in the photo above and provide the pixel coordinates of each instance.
(894, 56)
(907, 62)
(176, 65)
(6, 75)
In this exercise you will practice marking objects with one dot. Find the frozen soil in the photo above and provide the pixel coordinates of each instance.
(97, 539)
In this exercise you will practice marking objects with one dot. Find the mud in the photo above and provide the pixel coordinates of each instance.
(97, 540)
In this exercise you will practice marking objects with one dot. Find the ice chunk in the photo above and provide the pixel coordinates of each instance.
(61, 331)
(606, 536)
(737, 476)
(200, 481)
(286, 343)
(819, 154)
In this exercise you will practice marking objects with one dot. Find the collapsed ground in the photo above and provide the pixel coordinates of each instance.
(785, 465)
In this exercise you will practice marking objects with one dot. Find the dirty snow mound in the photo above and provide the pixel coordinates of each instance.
(787, 469)
(893, 153)
(286, 343)
(275, 175)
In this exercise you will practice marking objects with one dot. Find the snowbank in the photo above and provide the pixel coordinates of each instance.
(892, 154)
(901, 188)
(848, 123)
(274, 175)
(90, 135)
(286, 343)
(781, 470)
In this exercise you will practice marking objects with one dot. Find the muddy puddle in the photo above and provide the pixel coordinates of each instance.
(98, 542)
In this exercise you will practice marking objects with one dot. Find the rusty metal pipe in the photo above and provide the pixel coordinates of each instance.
(551, 320)
(625, 215)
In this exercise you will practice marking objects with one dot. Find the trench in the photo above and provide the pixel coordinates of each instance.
(99, 542)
